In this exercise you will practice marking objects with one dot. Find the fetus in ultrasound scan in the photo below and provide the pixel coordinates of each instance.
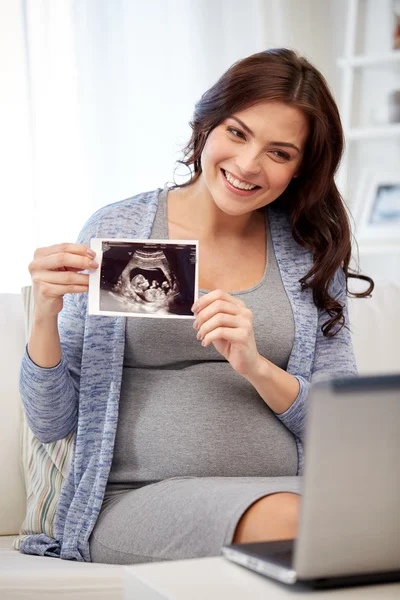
(134, 285)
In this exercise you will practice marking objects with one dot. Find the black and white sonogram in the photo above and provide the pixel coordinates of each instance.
(144, 278)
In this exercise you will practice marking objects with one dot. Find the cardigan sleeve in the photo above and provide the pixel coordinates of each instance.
(50, 395)
(333, 357)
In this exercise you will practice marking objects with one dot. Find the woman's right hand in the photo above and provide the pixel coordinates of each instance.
(55, 272)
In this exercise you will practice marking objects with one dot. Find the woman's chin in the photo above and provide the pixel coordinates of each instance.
(234, 211)
(232, 205)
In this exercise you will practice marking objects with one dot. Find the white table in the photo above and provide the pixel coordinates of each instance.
(217, 579)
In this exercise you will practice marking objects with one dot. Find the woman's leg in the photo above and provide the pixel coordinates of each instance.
(191, 517)
(273, 517)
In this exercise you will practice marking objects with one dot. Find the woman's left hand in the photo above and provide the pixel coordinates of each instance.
(227, 323)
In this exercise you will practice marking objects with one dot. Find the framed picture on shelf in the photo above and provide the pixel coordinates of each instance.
(396, 24)
(377, 212)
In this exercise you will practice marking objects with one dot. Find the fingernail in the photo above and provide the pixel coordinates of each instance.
(195, 324)
(91, 253)
(194, 307)
(94, 264)
(198, 336)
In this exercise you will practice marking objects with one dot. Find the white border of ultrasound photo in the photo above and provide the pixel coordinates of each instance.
(94, 279)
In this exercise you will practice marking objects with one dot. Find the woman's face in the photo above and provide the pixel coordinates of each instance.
(263, 146)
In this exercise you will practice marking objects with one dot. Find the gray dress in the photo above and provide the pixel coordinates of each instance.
(196, 445)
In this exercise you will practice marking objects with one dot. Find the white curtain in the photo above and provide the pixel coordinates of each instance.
(96, 97)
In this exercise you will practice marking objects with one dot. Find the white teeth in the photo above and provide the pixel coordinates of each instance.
(238, 184)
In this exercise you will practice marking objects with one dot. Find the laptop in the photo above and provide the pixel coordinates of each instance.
(349, 525)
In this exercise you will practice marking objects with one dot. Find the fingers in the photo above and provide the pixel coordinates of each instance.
(220, 317)
(64, 278)
(216, 307)
(234, 335)
(55, 271)
(50, 291)
(64, 248)
(52, 285)
(217, 303)
(219, 320)
(63, 259)
(208, 299)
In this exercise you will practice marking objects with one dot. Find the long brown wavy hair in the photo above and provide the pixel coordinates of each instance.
(317, 214)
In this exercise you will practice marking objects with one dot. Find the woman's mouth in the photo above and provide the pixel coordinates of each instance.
(233, 185)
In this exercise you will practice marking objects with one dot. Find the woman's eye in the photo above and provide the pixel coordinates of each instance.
(281, 155)
(236, 131)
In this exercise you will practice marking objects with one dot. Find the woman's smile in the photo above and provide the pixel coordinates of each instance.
(232, 182)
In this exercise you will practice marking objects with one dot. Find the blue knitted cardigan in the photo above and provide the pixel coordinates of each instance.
(82, 392)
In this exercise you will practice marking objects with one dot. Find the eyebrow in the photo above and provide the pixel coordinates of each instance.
(249, 131)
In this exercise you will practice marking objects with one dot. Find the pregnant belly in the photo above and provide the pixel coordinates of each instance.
(204, 420)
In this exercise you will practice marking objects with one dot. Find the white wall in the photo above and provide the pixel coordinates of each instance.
(16, 180)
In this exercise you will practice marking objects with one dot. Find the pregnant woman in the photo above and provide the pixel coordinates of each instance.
(189, 434)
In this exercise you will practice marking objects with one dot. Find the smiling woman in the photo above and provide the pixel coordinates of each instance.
(281, 101)
(202, 427)
(255, 160)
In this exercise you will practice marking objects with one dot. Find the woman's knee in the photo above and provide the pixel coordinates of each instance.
(272, 517)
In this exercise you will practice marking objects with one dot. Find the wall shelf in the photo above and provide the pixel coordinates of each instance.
(369, 60)
(351, 64)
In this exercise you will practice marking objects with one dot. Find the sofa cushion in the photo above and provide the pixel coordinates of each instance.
(12, 497)
(24, 576)
(45, 465)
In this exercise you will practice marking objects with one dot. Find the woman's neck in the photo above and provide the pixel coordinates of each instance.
(194, 209)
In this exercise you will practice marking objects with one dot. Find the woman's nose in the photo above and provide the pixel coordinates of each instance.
(248, 165)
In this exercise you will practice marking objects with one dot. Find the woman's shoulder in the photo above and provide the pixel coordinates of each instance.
(292, 256)
(131, 217)
(285, 245)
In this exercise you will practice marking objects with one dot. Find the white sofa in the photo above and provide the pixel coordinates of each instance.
(375, 324)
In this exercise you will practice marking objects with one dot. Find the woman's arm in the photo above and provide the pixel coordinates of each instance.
(44, 343)
(50, 395)
(278, 388)
(50, 369)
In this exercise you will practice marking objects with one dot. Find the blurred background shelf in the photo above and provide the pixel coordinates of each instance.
(370, 75)
(365, 133)
(369, 60)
